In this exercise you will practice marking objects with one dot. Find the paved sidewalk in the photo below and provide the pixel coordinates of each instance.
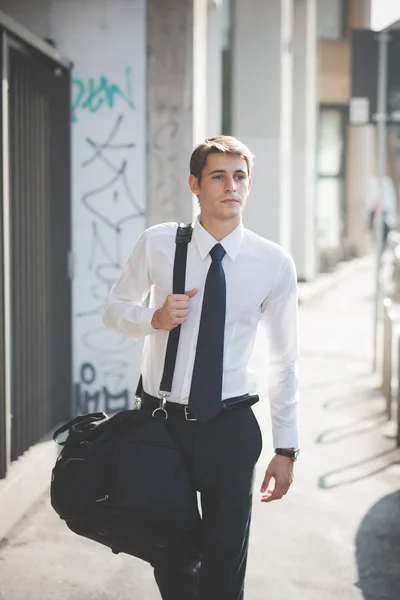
(336, 534)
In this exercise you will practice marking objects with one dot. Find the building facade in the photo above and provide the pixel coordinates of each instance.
(345, 153)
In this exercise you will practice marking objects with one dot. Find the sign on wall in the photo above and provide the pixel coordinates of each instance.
(106, 41)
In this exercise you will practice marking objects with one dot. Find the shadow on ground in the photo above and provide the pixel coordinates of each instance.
(359, 470)
(378, 550)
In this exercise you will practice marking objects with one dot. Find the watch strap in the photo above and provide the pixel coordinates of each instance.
(293, 454)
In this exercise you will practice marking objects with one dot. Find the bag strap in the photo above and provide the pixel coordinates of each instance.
(182, 239)
(67, 426)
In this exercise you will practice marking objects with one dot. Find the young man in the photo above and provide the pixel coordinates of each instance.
(234, 280)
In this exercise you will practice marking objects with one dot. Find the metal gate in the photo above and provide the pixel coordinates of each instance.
(35, 290)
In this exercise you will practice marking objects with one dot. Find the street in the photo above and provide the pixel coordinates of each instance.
(335, 535)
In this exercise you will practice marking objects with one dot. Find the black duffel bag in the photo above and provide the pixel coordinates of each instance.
(122, 481)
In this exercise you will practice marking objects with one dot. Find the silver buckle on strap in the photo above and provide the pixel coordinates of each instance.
(161, 408)
(137, 403)
(187, 416)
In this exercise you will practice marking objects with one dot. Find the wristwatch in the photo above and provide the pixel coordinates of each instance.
(293, 454)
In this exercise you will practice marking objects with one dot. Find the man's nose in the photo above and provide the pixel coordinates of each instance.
(230, 185)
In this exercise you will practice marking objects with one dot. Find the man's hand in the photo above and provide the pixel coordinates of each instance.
(173, 312)
(281, 470)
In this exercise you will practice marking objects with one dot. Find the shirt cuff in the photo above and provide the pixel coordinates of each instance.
(285, 438)
(141, 325)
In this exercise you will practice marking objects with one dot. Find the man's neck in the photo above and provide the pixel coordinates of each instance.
(219, 229)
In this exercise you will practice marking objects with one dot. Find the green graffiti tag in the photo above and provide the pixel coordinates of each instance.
(93, 94)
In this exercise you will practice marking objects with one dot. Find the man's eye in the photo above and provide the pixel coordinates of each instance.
(217, 176)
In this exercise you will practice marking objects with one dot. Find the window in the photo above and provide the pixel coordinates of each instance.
(330, 15)
(330, 156)
(330, 187)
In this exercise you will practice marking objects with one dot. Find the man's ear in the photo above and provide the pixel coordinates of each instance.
(194, 185)
(250, 183)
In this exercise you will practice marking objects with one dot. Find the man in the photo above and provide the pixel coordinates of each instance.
(382, 199)
(234, 280)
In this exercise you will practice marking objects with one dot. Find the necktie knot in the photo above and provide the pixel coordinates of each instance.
(217, 253)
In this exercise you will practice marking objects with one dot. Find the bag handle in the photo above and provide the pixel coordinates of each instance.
(182, 239)
(93, 417)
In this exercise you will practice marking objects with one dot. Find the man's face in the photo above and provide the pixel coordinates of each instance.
(224, 187)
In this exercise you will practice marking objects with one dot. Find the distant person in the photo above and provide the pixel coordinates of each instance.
(235, 280)
(387, 203)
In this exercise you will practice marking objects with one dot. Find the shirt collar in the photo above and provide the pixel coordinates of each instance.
(205, 241)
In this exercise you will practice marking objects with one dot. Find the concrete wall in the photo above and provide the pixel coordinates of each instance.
(262, 110)
(305, 108)
(177, 100)
(106, 41)
(214, 68)
(360, 167)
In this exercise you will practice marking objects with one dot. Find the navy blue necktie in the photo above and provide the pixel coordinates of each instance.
(206, 389)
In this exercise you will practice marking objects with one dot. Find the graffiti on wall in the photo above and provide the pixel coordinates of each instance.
(110, 205)
(93, 94)
(101, 398)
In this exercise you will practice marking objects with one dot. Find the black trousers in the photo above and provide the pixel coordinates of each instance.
(221, 456)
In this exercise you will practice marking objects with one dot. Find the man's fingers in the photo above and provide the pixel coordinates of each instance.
(272, 497)
(280, 490)
(180, 305)
(282, 473)
(178, 298)
(181, 299)
(179, 317)
(266, 481)
(184, 296)
(176, 321)
(277, 494)
(180, 312)
(174, 311)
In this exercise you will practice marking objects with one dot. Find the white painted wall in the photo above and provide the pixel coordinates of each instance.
(106, 41)
(262, 111)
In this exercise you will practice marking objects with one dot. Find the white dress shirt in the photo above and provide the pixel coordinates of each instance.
(261, 286)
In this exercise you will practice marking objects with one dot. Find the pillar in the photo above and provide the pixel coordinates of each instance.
(214, 68)
(360, 164)
(305, 111)
(176, 103)
(360, 168)
(262, 110)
